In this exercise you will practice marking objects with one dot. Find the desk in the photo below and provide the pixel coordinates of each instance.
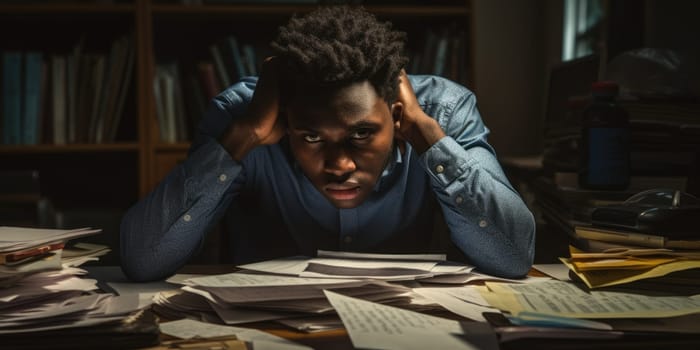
(338, 339)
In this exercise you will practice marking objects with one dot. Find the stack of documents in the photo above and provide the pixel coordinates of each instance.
(248, 297)
(656, 268)
(292, 288)
(388, 267)
(45, 295)
(564, 304)
(28, 250)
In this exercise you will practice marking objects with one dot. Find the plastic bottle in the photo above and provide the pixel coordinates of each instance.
(605, 141)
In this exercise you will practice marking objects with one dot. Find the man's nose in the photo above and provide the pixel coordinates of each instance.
(338, 162)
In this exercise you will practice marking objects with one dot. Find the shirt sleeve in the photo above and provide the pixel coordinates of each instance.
(487, 219)
(164, 229)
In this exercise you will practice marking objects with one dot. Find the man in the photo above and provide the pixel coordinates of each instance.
(334, 147)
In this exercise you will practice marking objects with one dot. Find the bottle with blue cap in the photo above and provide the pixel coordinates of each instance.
(605, 141)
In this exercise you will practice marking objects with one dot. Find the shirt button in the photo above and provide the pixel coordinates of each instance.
(187, 217)
(347, 239)
(483, 223)
(459, 200)
(439, 169)
(222, 177)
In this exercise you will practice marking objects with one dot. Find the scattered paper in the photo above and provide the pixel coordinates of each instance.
(471, 305)
(566, 299)
(558, 271)
(375, 326)
(188, 329)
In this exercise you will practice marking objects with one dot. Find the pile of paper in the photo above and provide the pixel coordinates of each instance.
(565, 304)
(24, 251)
(292, 289)
(56, 300)
(247, 297)
(658, 268)
(388, 267)
(44, 291)
(190, 334)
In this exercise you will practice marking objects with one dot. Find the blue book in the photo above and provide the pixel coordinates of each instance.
(237, 56)
(32, 97)
(12, 97)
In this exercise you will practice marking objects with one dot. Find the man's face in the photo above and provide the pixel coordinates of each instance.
(342, 139)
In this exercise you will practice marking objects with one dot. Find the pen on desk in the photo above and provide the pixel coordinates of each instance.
(17, 256)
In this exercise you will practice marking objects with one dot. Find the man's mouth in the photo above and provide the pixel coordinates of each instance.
(343, 193)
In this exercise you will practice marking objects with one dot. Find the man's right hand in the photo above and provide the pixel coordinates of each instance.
(261, 124)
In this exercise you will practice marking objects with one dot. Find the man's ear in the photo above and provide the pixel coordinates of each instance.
(397, 114)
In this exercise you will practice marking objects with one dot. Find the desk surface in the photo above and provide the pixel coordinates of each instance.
(338, 339)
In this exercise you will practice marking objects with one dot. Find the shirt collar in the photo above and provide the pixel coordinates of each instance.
(394, 160)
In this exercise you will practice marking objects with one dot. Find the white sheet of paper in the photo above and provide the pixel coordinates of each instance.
(470, 304)
(14, 238)
(251, 280)
(292, 266)
(188, 329)
(558, 271)
(376, 264)
(566, 299)
(144, 291)
(180, 278)
(372, 256)
(375, 326)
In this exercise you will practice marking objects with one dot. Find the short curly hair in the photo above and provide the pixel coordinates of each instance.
(338, 45)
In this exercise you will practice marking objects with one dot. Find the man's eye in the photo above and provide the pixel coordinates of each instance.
(312, 138)
(361, 134)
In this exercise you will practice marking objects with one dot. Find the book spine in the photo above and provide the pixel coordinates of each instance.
(219, 65)
(237, 56)
(12, 97)
(58, 93)
(32, 97)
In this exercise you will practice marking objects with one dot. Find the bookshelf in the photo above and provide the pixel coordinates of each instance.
(133, 155)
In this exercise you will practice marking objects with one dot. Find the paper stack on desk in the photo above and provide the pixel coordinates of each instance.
(649, 268)
(44, 294)
(293, 287)
(388, 267)
(27, 250)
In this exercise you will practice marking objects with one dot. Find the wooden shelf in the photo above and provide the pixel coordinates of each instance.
(169, 147)
(73, 148)
(394, 11)
(66, 8)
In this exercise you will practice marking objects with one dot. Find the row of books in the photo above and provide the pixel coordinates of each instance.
(55, 98)
(183, 91)
(443, 52)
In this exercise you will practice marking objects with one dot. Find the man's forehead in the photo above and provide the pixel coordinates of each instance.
(347, 105)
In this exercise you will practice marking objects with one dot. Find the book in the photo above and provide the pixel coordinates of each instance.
(237, 55)
(207, 78)
(632, 238)
(117, 65)
(58, 101)
(112, 125)
(31, 97)
(98, 85)
(220, 67)
(12, 97)
(249, 59)
(74, 63)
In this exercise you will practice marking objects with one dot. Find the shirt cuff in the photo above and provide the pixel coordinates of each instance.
(445, 161)
(210, 170)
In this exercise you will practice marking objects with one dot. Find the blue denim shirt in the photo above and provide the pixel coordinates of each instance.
(271, 209)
